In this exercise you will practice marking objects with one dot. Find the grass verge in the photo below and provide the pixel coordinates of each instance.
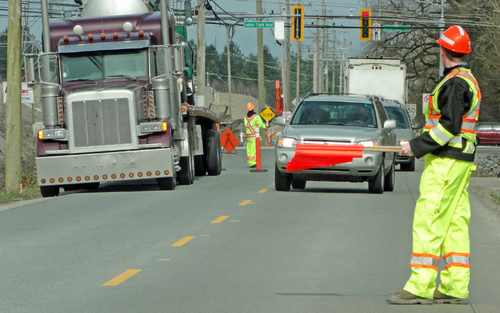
(30, 191)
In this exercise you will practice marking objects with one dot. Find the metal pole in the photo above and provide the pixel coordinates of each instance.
(341, 63)
(297, 86)
(441, 30)
(13, 139)
(260, 60)
(229, 84)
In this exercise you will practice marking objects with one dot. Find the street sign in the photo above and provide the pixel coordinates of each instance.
(396, 28)
(425, 101)
(287, 115)
(376, 31)
(412, 110)
(258, 24)
(229, 141)
(267, 114)
(27, 95)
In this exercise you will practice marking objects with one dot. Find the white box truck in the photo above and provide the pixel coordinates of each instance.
(384, 77)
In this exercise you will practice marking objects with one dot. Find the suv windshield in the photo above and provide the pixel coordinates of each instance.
(104, 64)
(334, 113)
(398, 114)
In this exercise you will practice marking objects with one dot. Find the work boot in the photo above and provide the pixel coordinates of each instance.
(441, 298)
(405, 297)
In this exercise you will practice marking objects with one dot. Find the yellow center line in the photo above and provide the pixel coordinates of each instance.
(263, 190)
(182, 241)
(245, 202)
(121, 278)
(220, 219)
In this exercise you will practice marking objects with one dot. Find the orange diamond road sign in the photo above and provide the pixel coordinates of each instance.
(229, 141)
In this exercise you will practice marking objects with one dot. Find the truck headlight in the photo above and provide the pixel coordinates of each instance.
(52, 134)
(287, 142)
(368, 143)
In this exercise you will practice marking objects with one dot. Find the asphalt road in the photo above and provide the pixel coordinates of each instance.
(227, 244)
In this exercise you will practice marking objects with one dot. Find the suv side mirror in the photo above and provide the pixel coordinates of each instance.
(280, 120)
(417, 126)
(390, 124)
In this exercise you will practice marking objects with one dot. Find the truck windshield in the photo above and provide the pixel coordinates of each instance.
(99, 65)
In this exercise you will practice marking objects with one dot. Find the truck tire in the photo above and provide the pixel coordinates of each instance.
(298, 183)
(186, 174)
(213, 154)
(376, 184)
(167, 183)
(200, 167)
(281, 182)
(72, 187)
(390, 178)
(49, 191)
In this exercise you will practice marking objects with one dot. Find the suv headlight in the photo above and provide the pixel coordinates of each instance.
(287, 142)
(368, 143)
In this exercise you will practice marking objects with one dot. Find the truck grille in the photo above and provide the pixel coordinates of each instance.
(101, 122)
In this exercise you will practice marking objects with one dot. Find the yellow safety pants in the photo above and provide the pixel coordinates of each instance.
(251, 152)
(441, 226)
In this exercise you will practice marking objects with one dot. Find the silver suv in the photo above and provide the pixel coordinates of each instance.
(403, 131)
(345, 120)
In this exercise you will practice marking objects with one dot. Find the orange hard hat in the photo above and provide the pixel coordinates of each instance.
(250, 106)
(455, 39)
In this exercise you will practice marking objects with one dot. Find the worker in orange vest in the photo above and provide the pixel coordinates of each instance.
(252, 122)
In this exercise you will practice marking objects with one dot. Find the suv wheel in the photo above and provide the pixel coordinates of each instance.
(298, 183)
(410, 167)
(281, 182)
(390, 179)
(376, 184)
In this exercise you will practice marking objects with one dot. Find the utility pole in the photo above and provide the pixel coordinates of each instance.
(13, 140)
(200, 56)
(260, 61)
(341, 72)
(228, 65)
(316, 58)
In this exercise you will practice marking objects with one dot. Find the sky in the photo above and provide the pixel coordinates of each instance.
(246, 38)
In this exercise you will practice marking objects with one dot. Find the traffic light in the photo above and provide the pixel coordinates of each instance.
(298, 23)
(365, 23)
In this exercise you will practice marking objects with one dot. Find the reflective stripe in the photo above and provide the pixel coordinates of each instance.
(249, 126)
(457, 259)
(448, 40)
(424, 260)
(440, 135)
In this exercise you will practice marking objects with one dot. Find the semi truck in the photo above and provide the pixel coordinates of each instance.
(383, 77)
(117, 99)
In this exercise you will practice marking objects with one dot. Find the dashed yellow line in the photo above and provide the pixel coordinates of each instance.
(263, 190)
(245, 202)
(183, 241)
(220, 219)
(121, 278)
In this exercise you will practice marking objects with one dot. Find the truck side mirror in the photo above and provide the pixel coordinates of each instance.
(178, 59)
(29, 64)
(189, 15)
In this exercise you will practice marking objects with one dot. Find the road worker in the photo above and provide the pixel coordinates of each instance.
(252, 122)
(441, 221)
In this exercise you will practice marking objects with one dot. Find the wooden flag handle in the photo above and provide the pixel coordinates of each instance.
(383, 148)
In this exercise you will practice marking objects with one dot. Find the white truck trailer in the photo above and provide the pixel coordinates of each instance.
(384, 77)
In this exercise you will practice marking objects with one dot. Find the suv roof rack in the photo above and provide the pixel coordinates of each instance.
(312, 94)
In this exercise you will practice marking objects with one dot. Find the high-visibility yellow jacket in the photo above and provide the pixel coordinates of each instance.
(451, 115)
